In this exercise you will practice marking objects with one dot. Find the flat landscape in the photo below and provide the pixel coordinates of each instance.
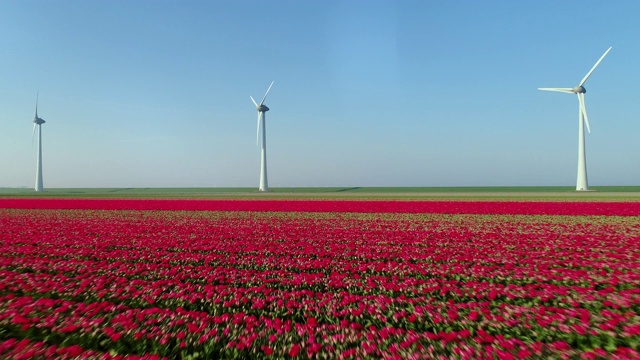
(380, 273)
(140, 98)
(407, 193)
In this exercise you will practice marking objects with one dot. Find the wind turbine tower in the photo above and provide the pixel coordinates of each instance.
(581, 182)
(262, 135)
(37, 122)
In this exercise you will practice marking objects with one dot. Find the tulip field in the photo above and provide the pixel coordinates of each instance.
(320, 279)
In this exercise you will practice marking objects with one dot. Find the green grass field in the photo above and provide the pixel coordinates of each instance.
(479, 193)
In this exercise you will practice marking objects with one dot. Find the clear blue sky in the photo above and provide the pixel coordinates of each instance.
(366, 93)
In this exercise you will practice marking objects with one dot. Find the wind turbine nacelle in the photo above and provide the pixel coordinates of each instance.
(38, 121)
(263, 108)
(579, 89)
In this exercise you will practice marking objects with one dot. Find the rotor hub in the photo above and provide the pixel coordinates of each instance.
(263, 108)
(38, 121)
(579, 89)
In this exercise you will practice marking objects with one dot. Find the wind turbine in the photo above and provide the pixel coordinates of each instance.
(37, 121)
(581, 183)
(264, 186)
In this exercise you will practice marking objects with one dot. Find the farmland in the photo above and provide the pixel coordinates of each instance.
(318, 279)
(547, 193)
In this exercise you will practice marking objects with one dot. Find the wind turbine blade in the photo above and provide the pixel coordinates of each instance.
(584, 79)
(254, 102)
(37, 95)
(583, 111)
(258, 130)
(33, 135)
(265, 94)
(564, 90)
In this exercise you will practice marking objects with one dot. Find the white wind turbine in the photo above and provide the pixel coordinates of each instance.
(581, 183)
(264, 186)
(37, 122)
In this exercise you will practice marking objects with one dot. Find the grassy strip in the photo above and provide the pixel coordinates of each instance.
(422, 193)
